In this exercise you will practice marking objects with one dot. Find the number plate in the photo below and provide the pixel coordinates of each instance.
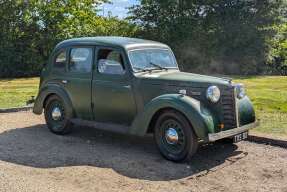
(240, 137)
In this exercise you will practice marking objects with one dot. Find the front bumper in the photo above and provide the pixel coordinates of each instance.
(231, 132)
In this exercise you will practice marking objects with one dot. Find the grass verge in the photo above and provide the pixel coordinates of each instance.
(269, 96)
(15, 92)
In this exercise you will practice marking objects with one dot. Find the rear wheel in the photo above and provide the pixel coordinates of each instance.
(57, 116)
(175, 137)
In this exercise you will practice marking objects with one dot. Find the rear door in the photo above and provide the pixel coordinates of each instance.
(112, 94)
(78, 80)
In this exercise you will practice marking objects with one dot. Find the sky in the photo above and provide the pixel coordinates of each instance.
(117, 7)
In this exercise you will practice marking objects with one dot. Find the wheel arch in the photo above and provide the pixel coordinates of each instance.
(198, 117)
(46, 92)
(154, 118)
(47, 98)
(159, 112)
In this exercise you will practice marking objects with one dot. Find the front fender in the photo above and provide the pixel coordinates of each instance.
(46, 91)
(199, 117)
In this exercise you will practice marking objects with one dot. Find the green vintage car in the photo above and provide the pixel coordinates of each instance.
(134, 86)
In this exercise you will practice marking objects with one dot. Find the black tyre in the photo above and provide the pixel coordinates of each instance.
(175, 137)
(57, 116)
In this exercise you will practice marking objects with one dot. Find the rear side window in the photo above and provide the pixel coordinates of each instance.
(60, 61)
(110, 62)
(81, 60)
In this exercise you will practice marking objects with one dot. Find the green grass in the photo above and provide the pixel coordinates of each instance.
(15, 92)
(268, 94)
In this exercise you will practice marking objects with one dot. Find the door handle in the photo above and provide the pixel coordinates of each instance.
(127, 86)
(64, 81)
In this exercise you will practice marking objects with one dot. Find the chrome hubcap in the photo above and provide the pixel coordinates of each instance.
(171, 136)
(56, 114)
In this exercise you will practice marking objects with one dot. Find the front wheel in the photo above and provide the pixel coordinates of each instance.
(57, 116)
(175, 137)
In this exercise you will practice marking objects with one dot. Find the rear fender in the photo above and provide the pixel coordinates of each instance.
(199, 117)
(47, 91)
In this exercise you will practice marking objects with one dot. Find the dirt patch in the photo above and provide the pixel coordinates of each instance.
(33, 159)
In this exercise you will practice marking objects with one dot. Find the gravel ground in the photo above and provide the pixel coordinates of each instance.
(33, 159)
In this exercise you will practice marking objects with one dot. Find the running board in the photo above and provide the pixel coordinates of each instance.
(102, 126)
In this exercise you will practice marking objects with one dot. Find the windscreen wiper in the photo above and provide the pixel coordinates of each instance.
(158, 66)
(139, 69)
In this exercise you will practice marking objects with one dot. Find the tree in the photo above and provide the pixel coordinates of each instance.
(277, 57)
(212, 36)
(34, 27)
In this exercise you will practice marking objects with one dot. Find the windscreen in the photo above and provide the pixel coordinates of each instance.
(152, 58)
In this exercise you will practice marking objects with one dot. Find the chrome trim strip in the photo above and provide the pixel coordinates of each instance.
(231, 132)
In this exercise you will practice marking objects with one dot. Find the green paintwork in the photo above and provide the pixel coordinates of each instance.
(120, 42)
(246, 111)
(48, 90)
(176, 77)
(202, 120)
(133, 99)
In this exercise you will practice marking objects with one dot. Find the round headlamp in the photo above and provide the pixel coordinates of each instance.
(240, 91)
(213, 94)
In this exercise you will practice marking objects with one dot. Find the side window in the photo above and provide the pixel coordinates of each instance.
(81, 60)
(110, 62)
(60, 61)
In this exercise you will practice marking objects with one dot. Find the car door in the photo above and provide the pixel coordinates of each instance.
(78, 80)
(112, 94)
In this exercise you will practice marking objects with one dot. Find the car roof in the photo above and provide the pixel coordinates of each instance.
(125, 42)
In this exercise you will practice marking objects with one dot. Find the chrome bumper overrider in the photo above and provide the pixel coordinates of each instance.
(231, 132)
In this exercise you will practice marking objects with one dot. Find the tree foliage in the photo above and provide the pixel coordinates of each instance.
(277, 57)
(210, 36)
(214, 36)
(30, 29)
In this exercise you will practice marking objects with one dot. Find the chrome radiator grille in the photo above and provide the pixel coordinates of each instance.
(229, 108)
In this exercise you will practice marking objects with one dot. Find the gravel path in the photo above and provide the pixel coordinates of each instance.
(33, 159)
